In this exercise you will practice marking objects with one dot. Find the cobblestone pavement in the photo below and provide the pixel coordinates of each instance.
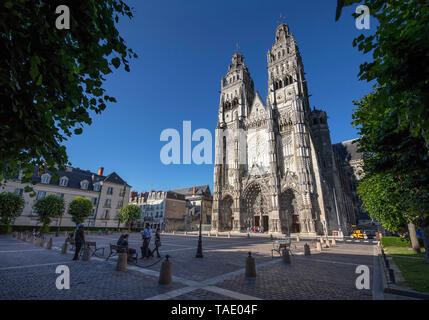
(28, 271)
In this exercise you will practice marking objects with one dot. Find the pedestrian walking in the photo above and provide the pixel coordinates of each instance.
(79, 240)
(146, 236)
(157, 243)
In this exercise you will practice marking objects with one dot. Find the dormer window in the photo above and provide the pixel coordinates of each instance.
(46, 178)
(84, 184)
(97, 187)
(64, 181)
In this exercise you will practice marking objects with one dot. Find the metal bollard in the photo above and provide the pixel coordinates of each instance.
(64, 248)
(250, 266)
(307, 251)
(86, 256)
(122, 262)
(50, 244)
(165, 272)
(286, 256)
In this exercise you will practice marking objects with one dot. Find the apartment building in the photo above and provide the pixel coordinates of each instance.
(108, 194)
(162, 209)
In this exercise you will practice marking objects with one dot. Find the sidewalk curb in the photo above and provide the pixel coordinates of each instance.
(387, 287)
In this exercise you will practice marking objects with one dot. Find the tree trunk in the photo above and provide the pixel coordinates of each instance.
(413, 237)
(425, 230)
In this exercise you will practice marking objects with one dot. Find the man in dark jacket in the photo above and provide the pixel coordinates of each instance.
(79, 240)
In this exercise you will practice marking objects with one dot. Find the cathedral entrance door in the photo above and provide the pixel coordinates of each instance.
(265, 223)
(257, 221)
(295, 224)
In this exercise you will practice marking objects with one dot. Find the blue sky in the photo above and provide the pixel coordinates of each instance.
(184, 48)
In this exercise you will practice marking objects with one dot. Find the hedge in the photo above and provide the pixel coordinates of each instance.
(395, 241)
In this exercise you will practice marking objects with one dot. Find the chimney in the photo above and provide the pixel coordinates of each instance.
(100, 171)
(194, 190)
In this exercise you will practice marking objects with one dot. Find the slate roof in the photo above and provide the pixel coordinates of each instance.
(201, 190)
(76, 175)
(348, 150)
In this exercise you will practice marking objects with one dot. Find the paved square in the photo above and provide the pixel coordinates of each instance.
(28, 271)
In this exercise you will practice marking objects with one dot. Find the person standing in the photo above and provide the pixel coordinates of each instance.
(79, 240)
(157, 243)
(146, 235)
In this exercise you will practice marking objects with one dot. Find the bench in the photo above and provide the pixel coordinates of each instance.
(280, 245)
(91, 244)
(115, 250)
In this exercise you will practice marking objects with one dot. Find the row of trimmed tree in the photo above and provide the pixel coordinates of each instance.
(52, 206)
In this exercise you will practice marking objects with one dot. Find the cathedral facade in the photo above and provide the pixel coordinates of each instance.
(275, 166)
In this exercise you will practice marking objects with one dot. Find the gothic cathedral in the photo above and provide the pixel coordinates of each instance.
(275, 166)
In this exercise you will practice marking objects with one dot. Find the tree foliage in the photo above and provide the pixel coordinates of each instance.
(52, 79)
(393, 119)
(49, 207)
(80, 208)
(11, 207)
(129, 214)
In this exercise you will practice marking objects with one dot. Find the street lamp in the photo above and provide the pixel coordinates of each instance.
(200, 241)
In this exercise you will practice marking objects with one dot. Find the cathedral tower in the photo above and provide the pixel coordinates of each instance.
(268, 170)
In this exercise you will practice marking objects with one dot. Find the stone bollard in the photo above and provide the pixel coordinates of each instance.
(307, 251)
(297, 239)
(186, 233)
(208, 234)
(229, 235)
(250, 266)
(318, 246)
(64, 248)
(217, 234)
(286, 256)
(42, 242)
(333, 242)
(122, 262)
(165, 272)
(50, 244)
(321, 240)
(327, 243)
(173, 232)
(86, 256)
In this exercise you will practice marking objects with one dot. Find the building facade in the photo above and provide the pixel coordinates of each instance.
(275, 164)
(107, 193)
(161, 209)
(199, 202)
